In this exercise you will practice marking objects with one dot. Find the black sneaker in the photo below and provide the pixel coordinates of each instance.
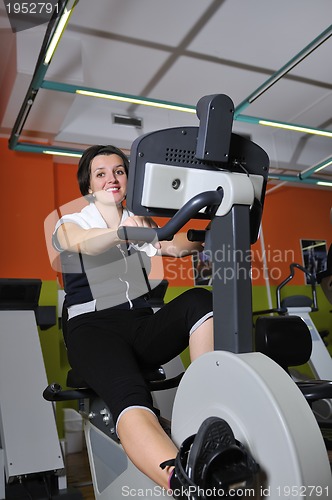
(218, 462)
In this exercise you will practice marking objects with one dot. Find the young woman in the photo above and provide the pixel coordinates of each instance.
(111, 330)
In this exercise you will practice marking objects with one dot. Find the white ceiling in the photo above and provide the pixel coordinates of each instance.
(177, 50)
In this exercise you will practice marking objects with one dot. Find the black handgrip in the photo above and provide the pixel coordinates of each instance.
(196, 235)
(146, 234)
(54, 392)
(311, 277)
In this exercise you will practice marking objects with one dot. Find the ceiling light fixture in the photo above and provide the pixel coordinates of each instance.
(316, 168)
(327, 164)
(27, 147)
(297, 179)
(187, 108)
(138, 100)
(62, 153)
(296, 128)
(324, 183)
(317, 42)
(63, 20)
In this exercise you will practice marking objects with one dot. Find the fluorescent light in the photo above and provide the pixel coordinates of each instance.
(315, 245)
(296, 128)
(316, 168)
(291, 64)
(58, 33)
(134, 100)
(323, 166)
(317, 42)
(323, 183)
(298, 179)
(62, 153)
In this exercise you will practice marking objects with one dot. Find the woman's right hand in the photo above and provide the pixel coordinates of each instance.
(141, 221)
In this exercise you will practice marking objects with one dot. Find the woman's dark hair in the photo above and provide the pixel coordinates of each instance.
(84, 166)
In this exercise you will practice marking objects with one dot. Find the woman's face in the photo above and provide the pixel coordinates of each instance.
(108, 179)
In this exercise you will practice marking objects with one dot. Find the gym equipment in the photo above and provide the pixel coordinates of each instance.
(320, 360)
(287, 340)
(32, 459)
(322, 408)
(210, 173)
(325, 277)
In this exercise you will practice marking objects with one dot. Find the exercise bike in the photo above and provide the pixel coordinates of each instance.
(324, 278)
(207, 172)
(320, 361)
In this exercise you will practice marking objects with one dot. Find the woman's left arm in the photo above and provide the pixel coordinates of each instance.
(180, 246)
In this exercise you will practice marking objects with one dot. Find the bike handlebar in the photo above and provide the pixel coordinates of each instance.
(311, 277)
(182, 216)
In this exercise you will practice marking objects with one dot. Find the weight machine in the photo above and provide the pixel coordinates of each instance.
(31, 458)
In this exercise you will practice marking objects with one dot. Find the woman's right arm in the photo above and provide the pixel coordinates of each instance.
(94, 241)
(87, 241)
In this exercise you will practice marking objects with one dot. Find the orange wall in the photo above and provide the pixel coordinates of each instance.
(27, 198)
(33, 186)
(292, 214)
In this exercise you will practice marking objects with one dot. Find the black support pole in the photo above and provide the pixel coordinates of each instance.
(232, 293)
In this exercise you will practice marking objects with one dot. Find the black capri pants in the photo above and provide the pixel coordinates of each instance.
(108, 348)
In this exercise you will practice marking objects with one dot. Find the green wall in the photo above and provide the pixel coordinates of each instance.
(54, 351)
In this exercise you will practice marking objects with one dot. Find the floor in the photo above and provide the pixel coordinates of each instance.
(78, 473)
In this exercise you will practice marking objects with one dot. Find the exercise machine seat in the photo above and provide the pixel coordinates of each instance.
(297, 301)
(287, 341)
(79, 389)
